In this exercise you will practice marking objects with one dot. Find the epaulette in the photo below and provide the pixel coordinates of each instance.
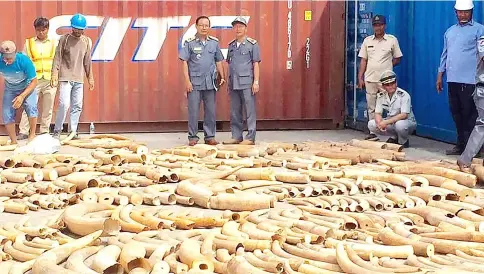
(232, 41)
(379, 94)
(401, 93)
(252, 41)
(213, 38)
(191, 39)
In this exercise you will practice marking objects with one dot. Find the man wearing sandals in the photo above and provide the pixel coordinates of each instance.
(393, 112)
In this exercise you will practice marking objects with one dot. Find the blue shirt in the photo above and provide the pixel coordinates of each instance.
(459, 57)
(19, 74)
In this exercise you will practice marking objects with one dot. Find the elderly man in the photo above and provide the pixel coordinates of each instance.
(41, 50)
(243, 58)
(201, 57)
(459, 62)
(20, 78)
(393, 112)
(379, 52)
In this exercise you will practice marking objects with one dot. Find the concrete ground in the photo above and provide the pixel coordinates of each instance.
(421, 148)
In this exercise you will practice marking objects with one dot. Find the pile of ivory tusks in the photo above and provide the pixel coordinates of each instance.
(294, 208)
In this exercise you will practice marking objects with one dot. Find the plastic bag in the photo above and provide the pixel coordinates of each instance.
(42, 144)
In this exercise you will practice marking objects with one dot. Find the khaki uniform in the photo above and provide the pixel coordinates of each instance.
(389, 107)
(380, 54)
(46, 92)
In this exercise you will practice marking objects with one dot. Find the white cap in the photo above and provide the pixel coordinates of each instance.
(464, 5)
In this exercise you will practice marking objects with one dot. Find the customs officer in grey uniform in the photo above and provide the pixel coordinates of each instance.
(202, 59)
(243, 57)
(393, 113)
(476, 140)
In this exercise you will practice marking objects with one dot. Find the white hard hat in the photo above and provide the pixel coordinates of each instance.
(464, 5)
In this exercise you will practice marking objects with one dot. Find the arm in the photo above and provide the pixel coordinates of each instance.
(363, 54)
(378, 118)
(361, 71)
(218, 62)
(256, 65)
(29, 70)
(57, 59)
(397, 53)
(443, 62)
(396, 118)
(88, 64)
(443, 57)
(184, 55)
(256, 72)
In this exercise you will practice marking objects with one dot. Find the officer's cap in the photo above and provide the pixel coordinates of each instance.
(379, 19)
(241, 20)
(388, 77)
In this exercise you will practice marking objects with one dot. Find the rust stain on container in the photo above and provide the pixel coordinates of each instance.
(139, 76)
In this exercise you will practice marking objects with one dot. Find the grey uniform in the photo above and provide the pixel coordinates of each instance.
(476, 140)
(390, 107)
(201, 57)
(241, 78)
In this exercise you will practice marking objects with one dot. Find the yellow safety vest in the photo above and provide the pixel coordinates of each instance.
(42, 59)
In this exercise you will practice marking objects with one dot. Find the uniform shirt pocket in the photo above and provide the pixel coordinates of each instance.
(196, 78)
(245, 77)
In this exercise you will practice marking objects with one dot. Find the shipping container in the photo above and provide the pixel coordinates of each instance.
(139, 81)
(419, 27)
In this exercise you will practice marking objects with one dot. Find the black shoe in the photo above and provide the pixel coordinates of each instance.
(406, 144)
(454, 151)
(392, 141)
(22, 136)
(371, 136)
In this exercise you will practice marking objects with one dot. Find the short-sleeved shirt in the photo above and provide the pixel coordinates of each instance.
(19, 74)
(241, 57)
(380, 54)
(201, 57)
(459, 56)
(399, 103)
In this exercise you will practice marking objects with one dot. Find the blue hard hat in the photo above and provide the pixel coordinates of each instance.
(78, 21)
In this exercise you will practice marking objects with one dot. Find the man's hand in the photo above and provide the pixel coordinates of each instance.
(255, 88)
(222, 81)
(439, 83)
(382, 125)
(17, 101)
(188, 88)
(361, 83)
(54, 81)
(91, 86)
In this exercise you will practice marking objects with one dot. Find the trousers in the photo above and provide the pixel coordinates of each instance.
(46, 97)
(240, 99)
(209, 120)
(401, 129)
(476, 139)
(463, 110)
(70, 95)
(372, 89)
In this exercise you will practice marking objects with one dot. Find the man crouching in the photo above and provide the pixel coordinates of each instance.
(20, 78)
(393, 112)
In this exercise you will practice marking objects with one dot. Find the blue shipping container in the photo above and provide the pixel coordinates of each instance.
(419, 27)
